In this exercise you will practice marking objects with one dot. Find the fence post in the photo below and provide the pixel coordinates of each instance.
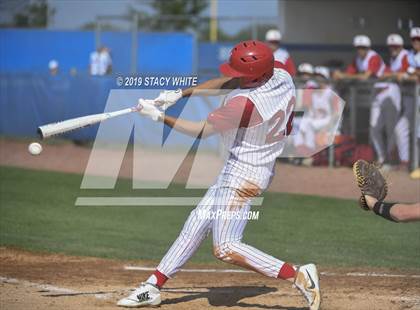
(254, 29)
(331, 158)
(97, 33)
(213, 21)
(134, 43)
(353, 111)
(416, 124)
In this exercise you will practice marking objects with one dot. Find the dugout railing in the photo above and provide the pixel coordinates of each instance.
(359, 95)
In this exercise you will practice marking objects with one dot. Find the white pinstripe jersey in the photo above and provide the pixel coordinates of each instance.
(322, 103)
(253, 150)
(362, 64)
(397, 64)
(281, 55)
(414, 59)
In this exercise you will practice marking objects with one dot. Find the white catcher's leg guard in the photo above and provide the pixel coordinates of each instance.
(307, 282)
(143, 296)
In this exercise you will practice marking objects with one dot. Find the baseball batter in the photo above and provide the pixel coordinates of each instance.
(253, 123)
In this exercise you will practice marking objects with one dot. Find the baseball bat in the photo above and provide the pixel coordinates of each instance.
(53, 129)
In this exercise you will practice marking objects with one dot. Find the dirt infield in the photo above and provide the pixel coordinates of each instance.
(52, 281)
(320, 181)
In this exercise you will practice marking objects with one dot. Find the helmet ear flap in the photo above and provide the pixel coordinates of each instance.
(255, 81)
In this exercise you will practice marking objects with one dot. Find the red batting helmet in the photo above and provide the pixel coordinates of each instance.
(249, 59)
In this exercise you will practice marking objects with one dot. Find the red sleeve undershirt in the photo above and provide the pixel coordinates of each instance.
(374, 64)
(404, 64)
(290, 66)
(238, 112)
(351, 68)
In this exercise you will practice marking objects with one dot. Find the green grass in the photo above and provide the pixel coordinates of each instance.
(37, 213)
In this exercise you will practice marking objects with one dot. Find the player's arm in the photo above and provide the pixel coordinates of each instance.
(353, 76)
(416, 75)
(238, 112)
(362, 76)
(202, 129)
(401, 74)
(342, 75)
(214, 87)
(411, 74)
(374, 66)
(397, 212)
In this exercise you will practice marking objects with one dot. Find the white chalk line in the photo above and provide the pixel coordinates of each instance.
(139, 268)
(328, 274)
(46, 288)
(43, 287)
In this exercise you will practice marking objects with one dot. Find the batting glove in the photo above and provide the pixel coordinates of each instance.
(147, 108)
(168, 98)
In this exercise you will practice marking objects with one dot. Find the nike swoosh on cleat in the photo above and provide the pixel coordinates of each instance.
(143, 296)
(312, 281)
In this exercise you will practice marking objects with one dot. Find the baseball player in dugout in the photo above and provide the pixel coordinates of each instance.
(305, 73)
(322, 109)
(253, 122)
(386, 102)
(397, 69)
(273, 38)
(366, 64)
(413, 71)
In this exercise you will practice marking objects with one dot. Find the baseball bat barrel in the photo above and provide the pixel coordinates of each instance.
(53, 129)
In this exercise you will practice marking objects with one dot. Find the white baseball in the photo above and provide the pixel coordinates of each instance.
(35, 148)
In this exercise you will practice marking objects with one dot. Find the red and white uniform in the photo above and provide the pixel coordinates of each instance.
(372, 62)
(402, 128)
(322, 105)
(257, 143)
(414, 59)
(399, 63)
(253, 124)
(389, 91)
(283, 56)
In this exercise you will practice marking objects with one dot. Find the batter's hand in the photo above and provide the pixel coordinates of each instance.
(168, 98)
(147, 108)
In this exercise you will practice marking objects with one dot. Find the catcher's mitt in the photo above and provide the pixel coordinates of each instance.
(370, 181)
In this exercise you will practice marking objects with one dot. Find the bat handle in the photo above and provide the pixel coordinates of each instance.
(137, 108)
